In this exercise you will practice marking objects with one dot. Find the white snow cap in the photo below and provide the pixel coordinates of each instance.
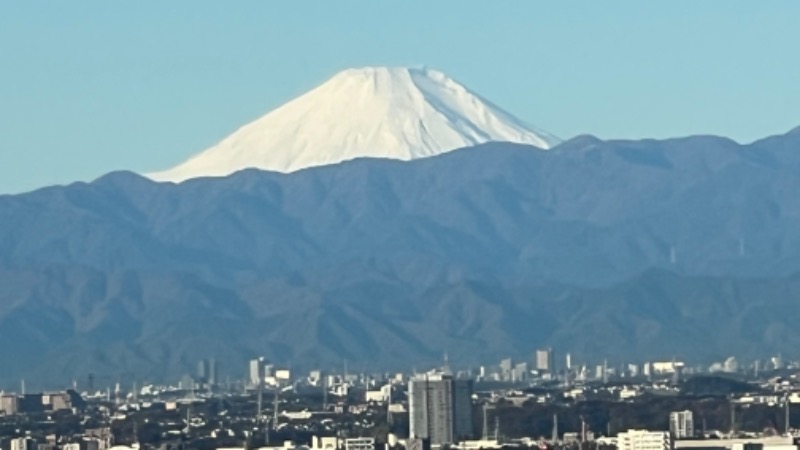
(377, 112)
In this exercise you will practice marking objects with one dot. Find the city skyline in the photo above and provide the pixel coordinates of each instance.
(360, 225)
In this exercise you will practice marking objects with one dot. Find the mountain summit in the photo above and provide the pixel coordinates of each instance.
(378, 112)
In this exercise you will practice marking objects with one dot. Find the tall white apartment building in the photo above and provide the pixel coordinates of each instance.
(440, 408)
(681, 424)
(256, 372)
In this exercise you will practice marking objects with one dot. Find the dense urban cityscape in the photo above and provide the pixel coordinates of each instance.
(541, 402)
(370, 225)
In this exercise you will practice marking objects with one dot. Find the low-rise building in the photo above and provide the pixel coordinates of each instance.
(644, 440)
(362, 443)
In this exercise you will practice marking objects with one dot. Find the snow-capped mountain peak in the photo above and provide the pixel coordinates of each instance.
(380, 112)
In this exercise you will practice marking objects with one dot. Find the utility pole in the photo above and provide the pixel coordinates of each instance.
(485, 433)
(260, 398)
(324, 393)
(786, 412)
(554, 437)
(583, 429)
(275, 408)
(389, 418)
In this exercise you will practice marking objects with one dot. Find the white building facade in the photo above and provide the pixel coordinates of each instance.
(440, 408)
(361, 443)
(681, 424)
(644, 440)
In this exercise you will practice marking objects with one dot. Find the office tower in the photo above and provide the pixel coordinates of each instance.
(681, 424)
(213, 375)
(202, 371)
(256, 371)
(647, 370)
(506, 365)
(731, 365)
(520, 372)
(9, 404)
(23, 443)
(544, 360)
(440, 408)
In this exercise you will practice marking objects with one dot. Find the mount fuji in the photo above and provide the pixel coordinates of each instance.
(375, 112)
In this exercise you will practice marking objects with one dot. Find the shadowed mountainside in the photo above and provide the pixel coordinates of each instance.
(605, 248)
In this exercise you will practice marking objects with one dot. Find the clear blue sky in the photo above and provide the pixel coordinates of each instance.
(88, 87)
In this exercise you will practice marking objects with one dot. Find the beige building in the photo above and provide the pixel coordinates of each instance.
(9, 404)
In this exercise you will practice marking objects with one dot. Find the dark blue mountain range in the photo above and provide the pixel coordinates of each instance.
(630, 250)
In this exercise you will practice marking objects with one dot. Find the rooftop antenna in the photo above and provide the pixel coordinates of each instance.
(23, 386)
